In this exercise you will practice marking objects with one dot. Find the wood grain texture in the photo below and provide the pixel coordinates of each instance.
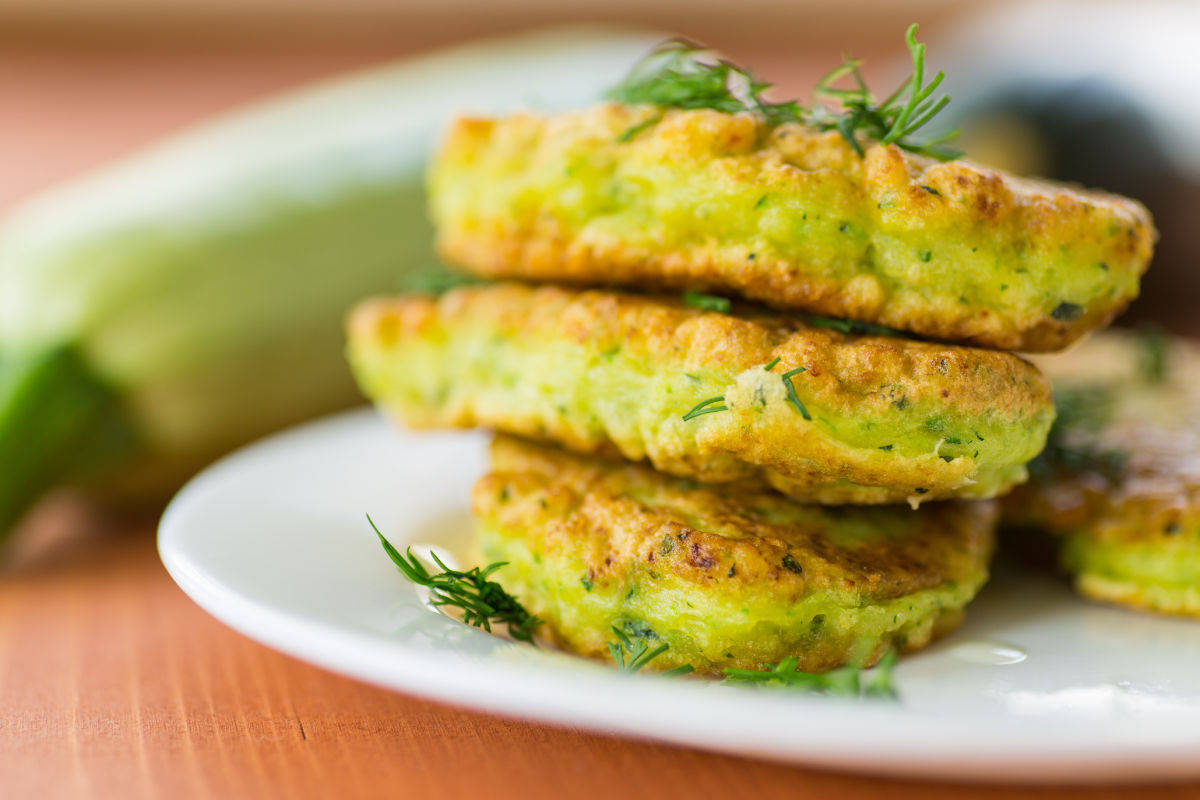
(114, 685)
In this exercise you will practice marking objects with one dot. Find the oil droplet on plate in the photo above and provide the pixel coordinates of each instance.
(993, 654)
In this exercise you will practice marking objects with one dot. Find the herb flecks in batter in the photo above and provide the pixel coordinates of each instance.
(791, 392)
(709, 406)
(630, 659)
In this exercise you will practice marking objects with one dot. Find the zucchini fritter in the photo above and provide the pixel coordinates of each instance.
(1120, 480)
(787, 216)
(727, 579)
(821, 415)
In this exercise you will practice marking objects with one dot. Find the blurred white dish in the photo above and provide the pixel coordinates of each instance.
(1036, 686)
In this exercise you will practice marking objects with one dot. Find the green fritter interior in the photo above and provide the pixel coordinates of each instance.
(818, 414)
(792, 217)
(727, 579)
(1161, 574)
(1119, 481)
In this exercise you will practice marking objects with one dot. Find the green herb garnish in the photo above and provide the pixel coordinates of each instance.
(706, 407)
(683, 74)
(791, 392)
(850, 326)
(892, 120)
(714, 404)
(630, 660)
(843, 682)
(1084, 406)
(481, 601)
(634, 130)
(706, 302)
(435, 279)
(1067, 312)
(1154, 356)
(770, 366)
(1081, 411)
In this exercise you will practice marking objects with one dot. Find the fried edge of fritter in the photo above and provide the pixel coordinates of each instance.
(634, 531)
(846, 376)
(1130, 584)
(1118, 536)
(901, 191)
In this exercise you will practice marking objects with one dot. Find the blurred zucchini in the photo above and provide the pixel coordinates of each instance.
(167, 308)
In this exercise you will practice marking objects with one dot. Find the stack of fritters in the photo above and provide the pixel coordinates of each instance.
(695, 459)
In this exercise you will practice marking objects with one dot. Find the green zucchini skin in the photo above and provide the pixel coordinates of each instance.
(202, 283)
(57, 421)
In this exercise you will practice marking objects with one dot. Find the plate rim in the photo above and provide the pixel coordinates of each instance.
(967, 746)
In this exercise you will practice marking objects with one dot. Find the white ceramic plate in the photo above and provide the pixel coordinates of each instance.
(1036, 686)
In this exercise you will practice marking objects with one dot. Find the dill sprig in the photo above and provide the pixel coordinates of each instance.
(682, 74)
(706, 407)
(792, 397)
(715, 404)
(892, 120)
(631, 660)
(481, 601)
(634, 130)
(706, 302)
(843, 682)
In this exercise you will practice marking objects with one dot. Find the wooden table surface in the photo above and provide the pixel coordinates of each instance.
(114, 685)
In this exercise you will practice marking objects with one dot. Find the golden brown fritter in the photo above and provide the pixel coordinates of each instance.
(788, 216)
(727, 579)
(1119, 482)
(819, 414)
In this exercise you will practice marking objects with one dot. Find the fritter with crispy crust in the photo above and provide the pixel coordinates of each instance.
(1120, 480)
(788, 216)
(727, 579)
(821, 415)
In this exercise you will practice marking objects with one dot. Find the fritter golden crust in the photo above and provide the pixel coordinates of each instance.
(1120, 481)
(788, 216)
(836, 418)
(728, 579)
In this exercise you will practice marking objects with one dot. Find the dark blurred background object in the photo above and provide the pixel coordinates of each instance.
(1102, 94)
